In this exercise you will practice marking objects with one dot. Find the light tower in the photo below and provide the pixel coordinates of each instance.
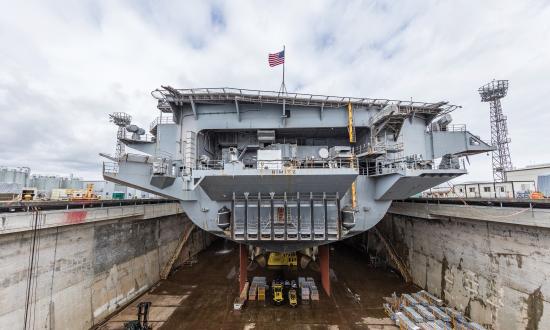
(493, 92)
(121, 119)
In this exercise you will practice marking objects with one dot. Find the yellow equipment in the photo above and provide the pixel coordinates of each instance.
(277, 290)
(282, 259)
(261, 293)
(292, 298)
(536, 195)
(88, 195)
(28, 194)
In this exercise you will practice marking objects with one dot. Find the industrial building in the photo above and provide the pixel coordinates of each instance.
(520, 183)
(483, 189)
(15, 181)
(106, 190)
(528, 173)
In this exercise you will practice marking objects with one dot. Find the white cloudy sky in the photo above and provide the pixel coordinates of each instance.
(64, 65)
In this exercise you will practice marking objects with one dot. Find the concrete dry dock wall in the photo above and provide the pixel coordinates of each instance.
(496, 270)
(83, 272)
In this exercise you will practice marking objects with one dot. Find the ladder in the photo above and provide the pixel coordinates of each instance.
(393, 256)
(183, 239)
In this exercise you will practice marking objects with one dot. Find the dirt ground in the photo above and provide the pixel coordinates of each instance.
(201, 296)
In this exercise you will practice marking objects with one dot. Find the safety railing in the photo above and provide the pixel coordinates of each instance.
(398, 166)
(129, 136)
(379, 148)
(250, 95)
(160, 120)
(393, 111)
(448, 128)
(284, 165)
(210, 165)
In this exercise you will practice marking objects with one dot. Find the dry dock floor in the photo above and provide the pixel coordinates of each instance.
(201, 296)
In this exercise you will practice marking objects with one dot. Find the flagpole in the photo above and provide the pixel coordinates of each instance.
(284, 53)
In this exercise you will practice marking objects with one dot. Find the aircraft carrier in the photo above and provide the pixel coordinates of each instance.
(285, 171)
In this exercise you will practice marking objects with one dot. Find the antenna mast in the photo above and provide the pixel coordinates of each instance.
(121, 119)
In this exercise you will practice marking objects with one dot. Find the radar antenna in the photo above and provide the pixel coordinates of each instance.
(121, 119)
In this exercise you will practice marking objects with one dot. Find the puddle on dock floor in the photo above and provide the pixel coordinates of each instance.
(201, 296)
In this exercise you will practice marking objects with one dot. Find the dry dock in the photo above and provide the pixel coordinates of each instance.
(70, 265)
(489, 259)
(201, 296)
(92, 264)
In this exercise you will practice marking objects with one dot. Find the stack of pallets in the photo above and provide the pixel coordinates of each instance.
(308, 289)
(423, 311)
(258, 288)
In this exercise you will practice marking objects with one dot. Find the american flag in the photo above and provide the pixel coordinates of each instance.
(276, 58)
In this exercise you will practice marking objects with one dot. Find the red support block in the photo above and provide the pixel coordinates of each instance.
(243, 263)
(325, 268)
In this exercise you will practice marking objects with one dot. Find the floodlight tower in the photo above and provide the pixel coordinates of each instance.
(493, 92)
(121, 119)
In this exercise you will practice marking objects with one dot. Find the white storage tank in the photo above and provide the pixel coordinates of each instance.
(18, 175)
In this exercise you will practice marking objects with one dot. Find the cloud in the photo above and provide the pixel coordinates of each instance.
(67, 65)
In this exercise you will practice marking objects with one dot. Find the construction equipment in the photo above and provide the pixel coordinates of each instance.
(292, 298)
(28, 194)
(282, 259)
(277, 293)
(142, 322)
(87, 195)
(536, 195)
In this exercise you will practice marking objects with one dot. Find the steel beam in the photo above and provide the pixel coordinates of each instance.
(324, 256)
(243, 263)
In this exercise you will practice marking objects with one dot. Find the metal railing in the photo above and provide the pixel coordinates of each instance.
(448, 128)
(226, 94)
(160, 120)
(398, 166)
(136, 158)
(129, 136)
(399, 112)
(379, 148)
(284, 165)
